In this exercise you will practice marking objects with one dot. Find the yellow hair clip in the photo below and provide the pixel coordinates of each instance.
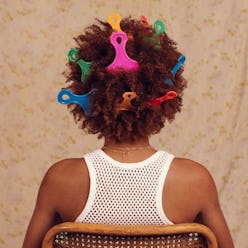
(114, 20)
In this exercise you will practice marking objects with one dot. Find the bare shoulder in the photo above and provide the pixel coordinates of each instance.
(189, 169)
(65, 166)
(194, 175)
(65, 172)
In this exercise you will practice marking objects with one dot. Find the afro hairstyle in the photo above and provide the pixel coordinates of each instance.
(156, 56)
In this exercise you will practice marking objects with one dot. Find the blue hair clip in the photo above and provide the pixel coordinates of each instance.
(85, 66)
(65, 96)
(175, 69)
(169, 81)
(180, 63)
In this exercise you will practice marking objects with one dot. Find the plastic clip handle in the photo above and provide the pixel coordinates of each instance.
(169, 81)
(65, 96)
(122, 61)
(159, 27)
(174, 70)
(168, 96)
(114, 20)
(144, 21)
(180, 63)
(128, 97)
(85, 66)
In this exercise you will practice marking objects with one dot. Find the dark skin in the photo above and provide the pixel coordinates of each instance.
(189, 195)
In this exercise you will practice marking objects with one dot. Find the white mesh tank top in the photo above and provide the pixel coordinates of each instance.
(126, 193)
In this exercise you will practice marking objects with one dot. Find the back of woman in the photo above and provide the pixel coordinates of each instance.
(125, 82)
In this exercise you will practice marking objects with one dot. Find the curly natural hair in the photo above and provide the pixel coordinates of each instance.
(148, 82)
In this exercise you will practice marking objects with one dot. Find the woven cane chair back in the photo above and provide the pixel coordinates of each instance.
(78, 235)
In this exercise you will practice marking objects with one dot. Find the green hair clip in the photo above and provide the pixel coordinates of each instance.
(159, 29)
(85, 66)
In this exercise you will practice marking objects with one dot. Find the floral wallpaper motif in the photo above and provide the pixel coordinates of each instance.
(36, 131)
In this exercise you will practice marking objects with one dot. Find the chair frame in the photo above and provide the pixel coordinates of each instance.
(140, 230)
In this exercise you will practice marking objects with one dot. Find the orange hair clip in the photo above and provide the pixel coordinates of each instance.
(127, 98)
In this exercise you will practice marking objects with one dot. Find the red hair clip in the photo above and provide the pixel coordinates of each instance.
(144, 21)
(157, 101)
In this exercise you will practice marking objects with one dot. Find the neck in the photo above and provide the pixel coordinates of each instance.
(142, 142)
(129, 151)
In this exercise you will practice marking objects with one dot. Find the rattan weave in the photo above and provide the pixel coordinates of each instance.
(78, 235)
(76, 240)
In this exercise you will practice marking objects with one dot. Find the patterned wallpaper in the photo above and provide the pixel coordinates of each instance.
(36, 131)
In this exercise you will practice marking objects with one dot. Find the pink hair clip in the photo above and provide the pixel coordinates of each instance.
(157, 101)
(122, 61)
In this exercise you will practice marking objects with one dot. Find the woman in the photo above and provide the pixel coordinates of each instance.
(126, 81)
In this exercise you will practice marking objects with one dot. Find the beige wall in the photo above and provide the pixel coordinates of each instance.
(36, 131)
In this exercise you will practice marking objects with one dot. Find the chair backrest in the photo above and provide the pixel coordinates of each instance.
(76, 235)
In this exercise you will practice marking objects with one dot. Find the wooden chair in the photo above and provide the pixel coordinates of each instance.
(75, 235)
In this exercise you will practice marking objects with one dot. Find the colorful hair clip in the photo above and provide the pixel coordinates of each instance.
(159, 28)
(180, 63)
(157, 101)
(144, 21)
(65, 96)
(126, 104)
(85, 66)
(114, 20)
(122, 61)
(175, 69)
(169, 81)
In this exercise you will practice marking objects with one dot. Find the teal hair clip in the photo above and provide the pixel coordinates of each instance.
(175, 69)
(85, 66)
(159, 28)
(65, 96)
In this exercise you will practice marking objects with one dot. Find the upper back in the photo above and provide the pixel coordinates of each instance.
(181, 192)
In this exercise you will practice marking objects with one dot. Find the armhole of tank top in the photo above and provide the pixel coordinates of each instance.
(92, 191)
(164, 172)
